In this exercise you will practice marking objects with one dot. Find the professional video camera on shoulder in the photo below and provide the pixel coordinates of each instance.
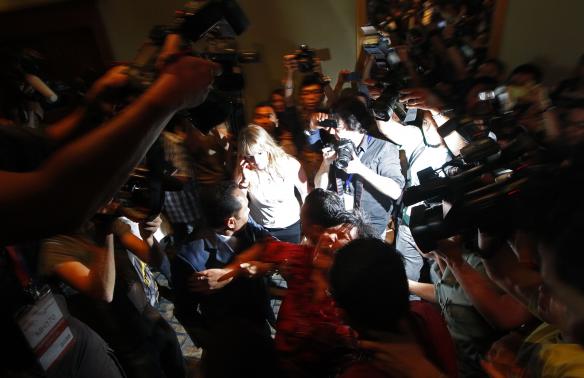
(484, 194)
(509, 104)
(195, 21)
(141, 198)
(390, 77)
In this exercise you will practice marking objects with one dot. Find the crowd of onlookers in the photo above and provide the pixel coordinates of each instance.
(288, 246)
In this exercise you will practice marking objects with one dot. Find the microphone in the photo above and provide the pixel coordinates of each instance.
(41, 88)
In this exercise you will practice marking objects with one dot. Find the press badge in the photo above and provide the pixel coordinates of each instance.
(45, 329)
(349, 201)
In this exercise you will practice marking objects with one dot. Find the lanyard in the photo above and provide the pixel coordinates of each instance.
(348, 180)
(20, 269)
(347, 183)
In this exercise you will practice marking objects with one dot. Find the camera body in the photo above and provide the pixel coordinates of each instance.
(485, 193)
(143, 192)
(193, 22)
(344, 149)
(388, 72)
(305, 59)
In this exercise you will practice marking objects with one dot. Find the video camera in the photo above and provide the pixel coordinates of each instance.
(196, 20)
(388, 73)
(143, 193)
(223, 51)
(483, 193)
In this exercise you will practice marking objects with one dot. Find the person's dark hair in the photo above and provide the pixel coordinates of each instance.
(368, 281)
(311, 79)
(483, 80)
(278, 91)
(219, 203)
(322, 207)
(262, 104)
(497, 63)
(528, 69)
(356, 219)
(354, 113)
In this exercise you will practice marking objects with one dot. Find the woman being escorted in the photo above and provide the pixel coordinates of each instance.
(269, 176)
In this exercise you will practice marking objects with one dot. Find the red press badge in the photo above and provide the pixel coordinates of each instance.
(46, 330)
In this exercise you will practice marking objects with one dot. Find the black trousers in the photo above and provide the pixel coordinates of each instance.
(289, 234)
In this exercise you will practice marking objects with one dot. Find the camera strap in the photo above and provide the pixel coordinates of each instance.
(19, 266)
(353, 201)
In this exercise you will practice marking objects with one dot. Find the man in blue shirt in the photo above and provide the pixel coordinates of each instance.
(228, 319)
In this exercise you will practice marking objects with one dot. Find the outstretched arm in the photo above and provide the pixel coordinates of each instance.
(483, 293)
(82, 175)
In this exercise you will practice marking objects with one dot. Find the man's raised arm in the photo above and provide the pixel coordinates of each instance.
(82, 175)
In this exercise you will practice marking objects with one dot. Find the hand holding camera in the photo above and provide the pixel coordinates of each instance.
(320, 120)
(421, 98)
(341, 154)
(104, 91)
(329, 155)
(343, 76)
(354, 166)
(290, 64)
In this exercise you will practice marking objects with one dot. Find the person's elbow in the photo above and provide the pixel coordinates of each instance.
(394, 188)
(107, 296)
(395, 192)
(101, 294)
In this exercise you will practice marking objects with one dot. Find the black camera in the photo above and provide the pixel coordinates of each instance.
(196, 20)
(143, 192)
(305, 59)
(344, 149)
(388, 72)
(484, 194)
(223, 50)
(388, 102)
(490, 207)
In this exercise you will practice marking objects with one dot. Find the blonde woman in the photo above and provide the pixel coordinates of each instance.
(269, 176)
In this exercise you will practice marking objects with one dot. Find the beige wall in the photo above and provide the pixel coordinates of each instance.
(549, 33)
(277, 27)
(128, 22)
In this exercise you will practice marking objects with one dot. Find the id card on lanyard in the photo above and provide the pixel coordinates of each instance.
(348, 197)
(41, 322)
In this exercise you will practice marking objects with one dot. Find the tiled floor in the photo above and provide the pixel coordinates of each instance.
(191, 353)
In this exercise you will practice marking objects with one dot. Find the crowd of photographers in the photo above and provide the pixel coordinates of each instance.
(420, 219)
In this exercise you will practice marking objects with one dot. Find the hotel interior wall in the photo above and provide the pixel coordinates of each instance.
(277, 26)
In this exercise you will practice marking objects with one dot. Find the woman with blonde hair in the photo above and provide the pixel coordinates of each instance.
(269, 176)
